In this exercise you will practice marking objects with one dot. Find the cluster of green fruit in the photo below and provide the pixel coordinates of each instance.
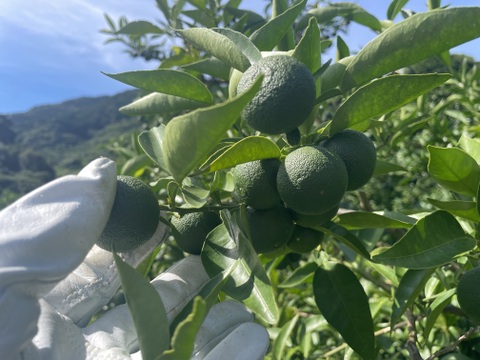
(286, 198)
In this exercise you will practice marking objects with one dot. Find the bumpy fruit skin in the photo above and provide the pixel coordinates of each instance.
(285, 98)
(312, 180)
(468, 294)
(269, 229)
(134, 216)
(304, 239)
(256, 183)
(312, 221)
(357, 152)
(191, 230)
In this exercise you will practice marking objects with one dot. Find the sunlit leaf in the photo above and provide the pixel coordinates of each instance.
(210, 66)
(395, 7)
(380, 97)
(465, 209)
(249, 283)
(411, 40)
(471, 146)
(189, 138)
(151, 143)
(147, 309)
(248, 149)
(167, 81)
(161, 104)
(454, 169)
(435, 240)
(299, 275)
(278, 346)
(364, 220)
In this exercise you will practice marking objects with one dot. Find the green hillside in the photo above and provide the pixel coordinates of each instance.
(54, 140)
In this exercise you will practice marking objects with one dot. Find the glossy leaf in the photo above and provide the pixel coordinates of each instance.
(252, 53)
(435, 240)
(269, 35)
(248, 283)
(465, 209)
(147, 309)
(411, 284)
(189, 138)
(167, 81)
(195, 195)
(183, 340)
(411, 40)
(248, 149)
(454, 169)
(299, 276)
(342, 301)
(363, 220)
(140, 28)
(151, 142)
(161, 104)
(380, 97)
(219, 45)
(135, 165)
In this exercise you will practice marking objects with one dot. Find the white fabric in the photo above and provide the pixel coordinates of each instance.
(53, 279)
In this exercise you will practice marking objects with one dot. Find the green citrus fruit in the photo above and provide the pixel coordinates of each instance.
(256, 183)
(269, 229)
(304, 239)
(468, 294)
(285, 98)
(311, 221)
(357, 152)
(312, 180)
(191, 230)
(134, 216)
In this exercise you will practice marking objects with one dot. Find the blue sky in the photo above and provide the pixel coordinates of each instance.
(52, 50)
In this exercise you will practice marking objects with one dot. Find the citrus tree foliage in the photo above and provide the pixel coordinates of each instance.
(382, 282)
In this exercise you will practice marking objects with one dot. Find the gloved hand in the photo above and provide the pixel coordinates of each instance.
(53, 279)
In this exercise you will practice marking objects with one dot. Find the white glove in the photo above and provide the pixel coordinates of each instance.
(53, 279)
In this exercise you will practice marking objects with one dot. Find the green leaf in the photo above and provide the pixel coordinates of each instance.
(342, 301)
(380, 97)
(167, 81)
(394, 8)
(384, 167)
(465, 209)
(161, 104)
(189, 138)
(216, 43)
(411, 40)
(435, 240)
(248, 283)
(355, 220)
(194, 193)
(344, 236)
(201, 17)
(347, 10)
(471, 146)
(308, 49)
(288, 41)
(210, 66)
(342, 48)
(151, 143)
(248, 149)
(135, 164)
(411, 284)
(140, 28)
(270, 34)
(252, 53)
(454, 169)
(436, 308)
(299, 276)
(278, 346)
(183, 340)
(147, 309)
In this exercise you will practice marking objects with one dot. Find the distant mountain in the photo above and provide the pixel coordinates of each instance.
(54, 140)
